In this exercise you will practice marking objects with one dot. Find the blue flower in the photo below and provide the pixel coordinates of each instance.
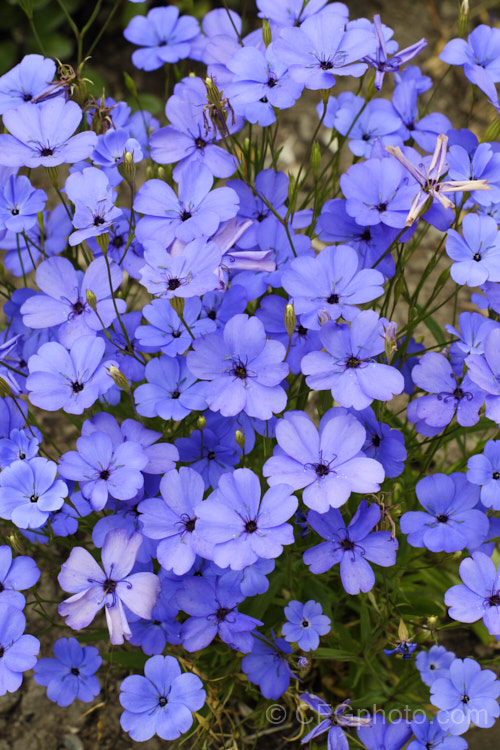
(306, 622)
(267, 666)
(381, 62)
(334, 722)
(17, 651)
(477, 253)
(244, 369)
(43, 135)
(163, 36)
(481, 50)
(353, 547)
(451, 520)
(404, 649)
(15, 575)
(20, 203)
(484, 469)
(348, 366)
(28, 80)
(161, 702)
(434, 663)
(29, 490)
(430, 736)
(479, 595)
(235, 527)
(383, 736)
(468, 695)
(328, 464)
(71, 674)
(171, 391)
(212, 604)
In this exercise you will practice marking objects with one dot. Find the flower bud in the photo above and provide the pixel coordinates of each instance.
(52, 173)
(91, 299)
(292, 192)
(103, 242)
(16, 543)
(240, 439)
(390, 337)
(402, 632)
(118, 378)
(130, 84)
(315, 159)
(201, 422)
(492, 132)
(127, 167)
(463, 19)
(177, 304)
(266, 32)
(5, 390)
(290, 319)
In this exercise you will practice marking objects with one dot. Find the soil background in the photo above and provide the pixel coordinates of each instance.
(28, 721)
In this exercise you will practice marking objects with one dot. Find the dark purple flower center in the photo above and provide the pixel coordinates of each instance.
(352, 363)
(465, 699)
(75, 671)
(200, 143)
(264, 100)
(34, 498)
(76, 387)
(175, 394)
(272, 82)
(185, 215)
(78, 307)
(376, 441)
(494, 600)
(300, 330)
(189, 525)
(173, 284)
(305, 623)
(176, 334)
(381, 207)
(211, 314)
(347, 544)
(222, 613)
(46, 151)
(250, 527)
(104, 474)
(442, 519)
(117, 241)
(109, 586)
(162, 701)
(496, 475)
(366, 235)
(261, 216)
(325, 64)
(239, 370)
(211, 455)
(15, 212)
(2, 587)
(321, 469)
(476, 257)
(27, 97)
(333, 299)
(21, 457)
(99, 221)
(2, 651)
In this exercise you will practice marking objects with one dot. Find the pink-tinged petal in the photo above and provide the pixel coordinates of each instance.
(117, 623)
(81, 608)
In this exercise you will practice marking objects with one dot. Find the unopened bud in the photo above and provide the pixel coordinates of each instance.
(323, 317)
(16, 543)
(118, 378)
(432, 621)
(103, 242)
(290, 319)
(161, 173)
(5, 390)
(292, 192)
(130, 84)
(151, 172)
(315, 159)
(213, 93)
(402, 631)
(201, 422)
(177, 304)
(370, 85)
(91, 299)
(463, 19)
(325, 95)
(52, 173)
(240, 439)
(492, 132)
(266, 32)
(127, 167)
(390, 339)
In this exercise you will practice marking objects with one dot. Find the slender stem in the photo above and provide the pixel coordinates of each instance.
(103, 27)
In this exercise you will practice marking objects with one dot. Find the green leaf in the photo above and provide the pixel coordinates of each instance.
(130, 659)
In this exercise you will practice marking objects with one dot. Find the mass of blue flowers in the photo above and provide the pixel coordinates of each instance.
(250, 412)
